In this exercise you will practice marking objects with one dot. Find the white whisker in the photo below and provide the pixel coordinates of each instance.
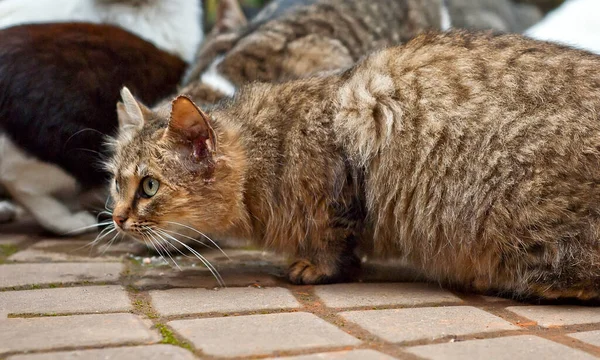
(201, 233)
(188, 237)
(206, 263)
(110, 242)
(166, 250)
(87, 227)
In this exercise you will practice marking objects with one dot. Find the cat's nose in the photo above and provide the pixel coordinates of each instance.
(119, 220)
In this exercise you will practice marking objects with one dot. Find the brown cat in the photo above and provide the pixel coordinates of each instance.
(475, 158)
(290, 39)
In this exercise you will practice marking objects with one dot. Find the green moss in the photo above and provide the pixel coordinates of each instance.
(7, 250)
(169, 337)
(143, 307)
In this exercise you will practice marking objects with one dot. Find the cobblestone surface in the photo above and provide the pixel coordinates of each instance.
(61, 299)
(427, 323)
(550, 316)
(261, 334)
(591, 337)
(88, 299)
(14, 275)
(505, 348)
(46, 333)
(198, 301)
(150, 352)
(357, 295)
(342, 355)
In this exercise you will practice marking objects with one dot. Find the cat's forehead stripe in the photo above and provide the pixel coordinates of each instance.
(141, 169)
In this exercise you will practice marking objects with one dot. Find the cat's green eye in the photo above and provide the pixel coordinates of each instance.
(149, 187)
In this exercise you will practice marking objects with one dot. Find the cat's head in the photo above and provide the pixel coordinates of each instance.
(174, 169)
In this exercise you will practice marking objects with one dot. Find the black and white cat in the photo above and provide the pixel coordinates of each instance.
(59, 85)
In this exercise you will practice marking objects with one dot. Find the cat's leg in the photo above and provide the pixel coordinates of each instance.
(8, 211)
(55, 217)
(30, 183)
(333, 260)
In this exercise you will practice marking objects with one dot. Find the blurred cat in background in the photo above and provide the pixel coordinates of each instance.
(174, 26)
(503, 16)
(59, 84)
(292, 39)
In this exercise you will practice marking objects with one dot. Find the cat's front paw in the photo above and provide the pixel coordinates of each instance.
(303, 272)
(75, 224)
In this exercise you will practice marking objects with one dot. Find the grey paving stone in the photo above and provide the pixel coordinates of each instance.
(150, 352)
(551, 315)
(49, 333)
(398, 325)
(373, 294)
(342, 355)
(590, 337)
(261, 334)
(161, 278)
(87, 299)
(12, 239)
(29, 274)
(61, 250)
(198, 301)
(523, 347)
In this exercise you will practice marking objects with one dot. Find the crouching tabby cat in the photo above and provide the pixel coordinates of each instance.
(475, 158)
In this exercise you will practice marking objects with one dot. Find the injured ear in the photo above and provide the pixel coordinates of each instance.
(190, 124)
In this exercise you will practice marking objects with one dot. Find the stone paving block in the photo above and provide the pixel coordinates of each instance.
(342, 355)
(398, 325)
(198, 301)
(163, 278)
(61, 250)
(590, 337)
(553, 315)
(29, 274)
(55, 332)
(524, 347)
(373, 294)
(150, 352)
(261, 334)
(12, 239)
(87, 299)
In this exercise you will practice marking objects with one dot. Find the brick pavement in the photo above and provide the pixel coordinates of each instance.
(61, 299)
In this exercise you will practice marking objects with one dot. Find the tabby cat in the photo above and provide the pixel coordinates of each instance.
(473, 157)
(292, 39)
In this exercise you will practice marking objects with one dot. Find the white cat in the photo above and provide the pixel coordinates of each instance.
(575, 23)
(172, 25)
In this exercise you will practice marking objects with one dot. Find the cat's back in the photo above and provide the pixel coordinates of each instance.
(60, 79)
(461, 79)
(471, 138)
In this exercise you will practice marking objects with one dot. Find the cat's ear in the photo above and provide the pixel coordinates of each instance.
(230, 17)
(130, 112)
(190, 124)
